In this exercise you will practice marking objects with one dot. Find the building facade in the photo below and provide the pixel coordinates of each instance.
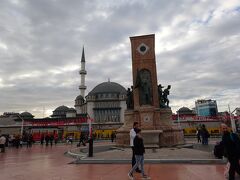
(206, 107)
(106, 103)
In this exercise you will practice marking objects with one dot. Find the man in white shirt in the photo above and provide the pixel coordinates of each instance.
(132, 136)
(2, 143)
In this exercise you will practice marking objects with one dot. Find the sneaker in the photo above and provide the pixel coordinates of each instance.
(138, 170)
(145, 177)
(130, 175)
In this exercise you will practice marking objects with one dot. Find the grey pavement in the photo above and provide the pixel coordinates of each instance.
(108, 153)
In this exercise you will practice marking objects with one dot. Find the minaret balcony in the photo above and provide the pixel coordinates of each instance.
(82, 87)
(82, 72)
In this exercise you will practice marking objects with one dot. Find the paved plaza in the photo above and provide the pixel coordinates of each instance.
(48, 163)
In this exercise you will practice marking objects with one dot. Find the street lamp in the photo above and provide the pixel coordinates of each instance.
(21, 124)
(90, 147)
(178, 118)
(233, 124)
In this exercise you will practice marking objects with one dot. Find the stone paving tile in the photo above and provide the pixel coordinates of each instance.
(201, 152)
(45, 163)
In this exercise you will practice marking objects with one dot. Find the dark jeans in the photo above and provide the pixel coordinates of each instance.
(199, 139)
(134, 159)
(2, 147)
(234, 167)
(205, 140)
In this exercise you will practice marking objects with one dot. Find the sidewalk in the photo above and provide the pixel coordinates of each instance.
(40, 162)
(108, 153)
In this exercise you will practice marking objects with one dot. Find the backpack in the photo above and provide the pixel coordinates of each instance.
(206, 133)
(218, 150)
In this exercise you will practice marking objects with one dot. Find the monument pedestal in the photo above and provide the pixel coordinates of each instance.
(157, 131)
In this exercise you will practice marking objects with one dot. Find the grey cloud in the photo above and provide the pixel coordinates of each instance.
(44, 36)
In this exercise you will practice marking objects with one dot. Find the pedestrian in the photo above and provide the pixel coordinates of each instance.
(56, 139)
(82, 140)
(139, 151)
(198, 133)
(47, 138)
(2, 143)
(29, 140)
(113, 136)
(42, 139)
(231, 144)
(205, 135)
(18, 141)
(51, 139)
(132, 136)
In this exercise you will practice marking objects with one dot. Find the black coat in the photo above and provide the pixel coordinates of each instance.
(138, 146)
(230, 147)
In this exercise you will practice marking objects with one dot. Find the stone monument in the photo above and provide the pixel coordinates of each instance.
(154, 118)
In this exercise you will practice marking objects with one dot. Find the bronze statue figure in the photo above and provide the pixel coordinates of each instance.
(143, 82)
(165, 95)
(130, 98)
(160, 96)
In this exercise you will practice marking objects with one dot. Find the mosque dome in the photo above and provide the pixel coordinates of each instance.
(60, 111)
(185, 111)
(108, 87)
(71, 110)
(26, 115)
(79, 100)
(62, 108)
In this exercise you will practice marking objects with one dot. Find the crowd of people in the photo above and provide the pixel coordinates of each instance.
(17, 141)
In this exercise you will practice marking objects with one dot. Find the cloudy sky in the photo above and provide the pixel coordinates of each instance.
(197, 49)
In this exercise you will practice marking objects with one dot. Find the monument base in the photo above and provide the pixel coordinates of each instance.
(157, 132)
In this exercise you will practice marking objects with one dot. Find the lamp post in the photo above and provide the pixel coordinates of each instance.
(178, 119)
(21, 124)
(90, 140)
(233, 124)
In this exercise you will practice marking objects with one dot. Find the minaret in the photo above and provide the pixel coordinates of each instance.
(82, 73)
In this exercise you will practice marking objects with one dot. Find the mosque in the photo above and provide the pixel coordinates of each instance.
(104, 105)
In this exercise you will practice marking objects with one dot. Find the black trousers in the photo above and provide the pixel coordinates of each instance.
(2, 147)
(234, 167)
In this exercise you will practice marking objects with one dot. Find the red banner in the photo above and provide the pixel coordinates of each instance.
(53, 122)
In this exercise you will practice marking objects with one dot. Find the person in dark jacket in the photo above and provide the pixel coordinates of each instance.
(51, 139)
(29, 140)
(139, 151)
(205, 135)
(132, 135)
(231, 150)
(42, 139)
(82, 140)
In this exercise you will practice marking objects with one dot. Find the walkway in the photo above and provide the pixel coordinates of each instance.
(48, 163)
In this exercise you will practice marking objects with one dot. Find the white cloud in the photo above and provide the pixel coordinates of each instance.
(3, 46)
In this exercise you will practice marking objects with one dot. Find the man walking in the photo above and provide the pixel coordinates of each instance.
(231, 144)
(132, 136)
(2, 143)
(139, 151)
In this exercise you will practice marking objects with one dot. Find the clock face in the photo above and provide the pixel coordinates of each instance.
(142, 48)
